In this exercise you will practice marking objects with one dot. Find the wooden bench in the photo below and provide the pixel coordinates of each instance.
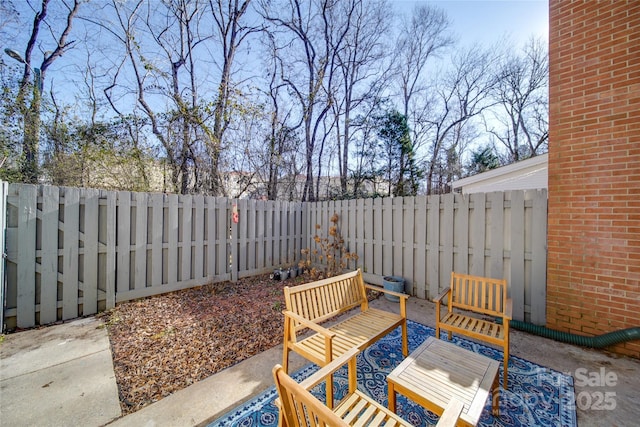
(299, 408)
(482, 296)
(310, 304)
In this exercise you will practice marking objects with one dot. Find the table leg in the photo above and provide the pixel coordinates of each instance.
(392, 397)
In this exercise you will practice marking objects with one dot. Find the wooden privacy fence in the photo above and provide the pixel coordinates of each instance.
(423, 239)
(72, 252)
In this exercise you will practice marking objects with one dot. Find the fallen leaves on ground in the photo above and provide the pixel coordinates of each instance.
(165, 343)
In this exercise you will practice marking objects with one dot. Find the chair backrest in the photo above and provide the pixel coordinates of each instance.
(324, 299)
(480, 294)
(299, 407)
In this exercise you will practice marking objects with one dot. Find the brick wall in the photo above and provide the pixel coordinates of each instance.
(594, 168)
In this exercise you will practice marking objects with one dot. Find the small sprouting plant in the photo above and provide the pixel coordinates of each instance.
(330, 257)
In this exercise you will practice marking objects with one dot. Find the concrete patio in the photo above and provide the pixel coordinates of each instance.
(607, 386)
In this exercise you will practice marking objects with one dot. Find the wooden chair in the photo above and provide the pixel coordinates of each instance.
(483, 296)
(299, 408)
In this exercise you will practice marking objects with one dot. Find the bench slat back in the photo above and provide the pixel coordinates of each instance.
(480, 294)
(321, 300)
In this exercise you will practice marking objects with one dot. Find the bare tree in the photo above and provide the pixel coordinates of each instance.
(281, 141)
(461, 95)
(520, 119)
(8, 15)
(169, 50)
(137, 65)
(59, 43)
(232, 31)
(361, 70)
(306, 28)
(422, 37)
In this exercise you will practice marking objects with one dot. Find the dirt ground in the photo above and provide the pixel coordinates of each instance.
(165, 343)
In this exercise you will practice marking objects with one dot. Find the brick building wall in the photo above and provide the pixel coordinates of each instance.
(593, 267)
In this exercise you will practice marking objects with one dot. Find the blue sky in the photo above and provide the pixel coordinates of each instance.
(488, 21)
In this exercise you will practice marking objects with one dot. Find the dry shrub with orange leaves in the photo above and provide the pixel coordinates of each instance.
(331, 256)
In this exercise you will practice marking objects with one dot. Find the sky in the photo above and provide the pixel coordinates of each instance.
(488, 21)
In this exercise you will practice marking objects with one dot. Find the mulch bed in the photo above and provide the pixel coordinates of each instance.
(167, 342)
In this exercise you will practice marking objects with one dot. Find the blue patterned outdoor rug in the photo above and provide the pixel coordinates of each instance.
(537, 396)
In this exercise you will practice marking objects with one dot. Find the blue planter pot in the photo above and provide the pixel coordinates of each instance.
(393, 283)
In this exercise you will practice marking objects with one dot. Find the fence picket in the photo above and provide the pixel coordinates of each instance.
(516, 257)
(243, 234)
(445, 265)
(433, 246)
(269, 233)
(461, 227)
(252, 240)
(387, 237)
(141, 232)
(90, 253)
(408, 245)
(70, 253)
(222, 241)
(420, 232)
(259, 215)
(187, 216)
(197, 251)
(49, 255)
(352, 231)
(4, 213)
(171, 260)
(497, 234)
(110, 229)
(538, 227)
(26, 242)
(157, 218)
(124, 241)
(210, 230)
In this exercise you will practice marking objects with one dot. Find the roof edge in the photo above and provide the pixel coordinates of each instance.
(503, 170)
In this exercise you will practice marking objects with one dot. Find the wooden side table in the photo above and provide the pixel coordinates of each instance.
(439, 371)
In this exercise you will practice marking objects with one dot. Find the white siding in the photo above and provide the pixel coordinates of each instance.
(528, 174)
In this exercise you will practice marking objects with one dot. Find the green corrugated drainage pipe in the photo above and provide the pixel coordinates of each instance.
(600, 341)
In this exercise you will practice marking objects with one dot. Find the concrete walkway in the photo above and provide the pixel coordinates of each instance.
(63, 376)
(59, 375)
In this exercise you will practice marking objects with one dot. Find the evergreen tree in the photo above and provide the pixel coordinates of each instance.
(397, 151)
(482, 160)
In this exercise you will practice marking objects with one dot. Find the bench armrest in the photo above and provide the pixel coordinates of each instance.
(438, 301)
(440, 297)
(309, 324)
(329, 369)
(386, 291)
(403, 298)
